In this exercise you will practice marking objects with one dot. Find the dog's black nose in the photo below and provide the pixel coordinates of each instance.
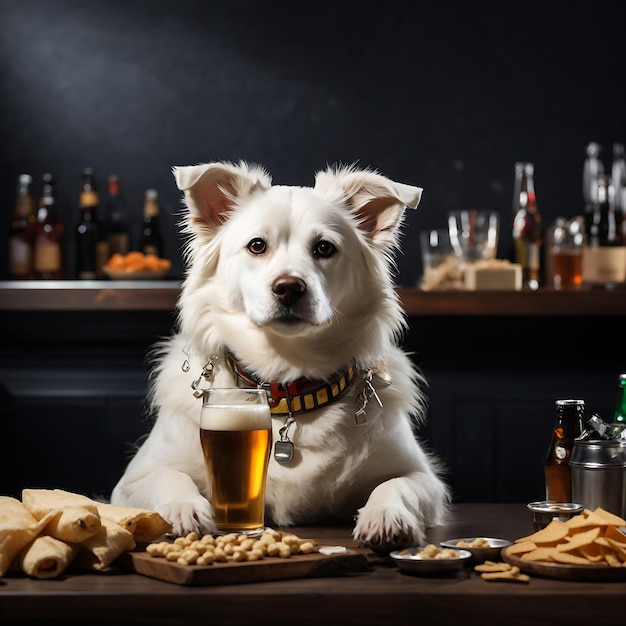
(288, 289)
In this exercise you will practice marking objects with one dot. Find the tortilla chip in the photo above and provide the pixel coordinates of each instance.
(46, 557)
(542, 553)
(593, 553)
(609, 518)
(582, 519)
(522, 546)
(75, 519)
(145, 526)
(109, 542)
(619, 549)
(569, 558)
(579, 539)
(615, 534)
(552, 533)
(18, 527)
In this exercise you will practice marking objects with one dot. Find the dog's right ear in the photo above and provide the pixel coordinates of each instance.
(212, 189)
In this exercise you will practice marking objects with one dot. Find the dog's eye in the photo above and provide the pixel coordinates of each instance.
(324, 249)
(257, 246)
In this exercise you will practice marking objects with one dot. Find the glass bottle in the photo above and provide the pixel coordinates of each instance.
(618, 177)
(89, 230)
(619, 414)
(152, 241)
(118, 235)
(604, 253)
(568, 425)
(527, 226)
(592, 168)
(22, 230)
(597, 428)
(48, 249)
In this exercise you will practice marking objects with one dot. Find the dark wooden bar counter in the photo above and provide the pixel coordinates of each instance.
(103, 295)
(381, 595)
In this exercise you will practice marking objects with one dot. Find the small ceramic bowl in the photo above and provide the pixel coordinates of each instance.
(480, 554)
(544, 512)
(408, 561)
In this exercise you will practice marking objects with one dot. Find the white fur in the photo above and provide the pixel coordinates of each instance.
(377, 472)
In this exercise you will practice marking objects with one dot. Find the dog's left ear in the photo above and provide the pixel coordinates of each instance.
(377, 201)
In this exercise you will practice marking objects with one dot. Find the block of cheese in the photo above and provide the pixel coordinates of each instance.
(498, 275)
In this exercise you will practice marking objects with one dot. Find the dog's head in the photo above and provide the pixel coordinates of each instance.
(270, 264)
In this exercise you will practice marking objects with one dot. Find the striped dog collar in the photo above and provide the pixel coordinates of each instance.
(299, 396)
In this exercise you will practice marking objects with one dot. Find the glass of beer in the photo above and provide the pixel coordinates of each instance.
(236, 438)
(567, 253)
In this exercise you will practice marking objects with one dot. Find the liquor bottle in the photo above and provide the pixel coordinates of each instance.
(22, 230)
(152, 241)
(604, 253)
(48, 248)
(118, 235)
(527, 226)
(568, 426)
(618, 177)
(89, 237)
(592, 168)
(619, 414)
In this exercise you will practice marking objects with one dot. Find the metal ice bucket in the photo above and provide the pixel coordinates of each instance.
(599, 474)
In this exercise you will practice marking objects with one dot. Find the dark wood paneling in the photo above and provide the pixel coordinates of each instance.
(492, 383)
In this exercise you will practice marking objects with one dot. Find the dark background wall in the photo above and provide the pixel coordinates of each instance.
(446, 94)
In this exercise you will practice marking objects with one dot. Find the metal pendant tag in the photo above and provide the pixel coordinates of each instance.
(360, 417)
(283, 451)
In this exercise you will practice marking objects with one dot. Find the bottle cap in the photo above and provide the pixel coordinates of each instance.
(593, 149)
(565, 404)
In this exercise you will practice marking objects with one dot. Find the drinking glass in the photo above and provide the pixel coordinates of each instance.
(236, 438)
(566, 253)
(474, 234)
(439, 263)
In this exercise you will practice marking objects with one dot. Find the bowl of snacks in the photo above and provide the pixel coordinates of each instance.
(481, 548)
(430, 560)
(136, 265)
(544, 512)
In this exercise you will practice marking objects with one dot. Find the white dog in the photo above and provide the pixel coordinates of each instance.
(291, 288)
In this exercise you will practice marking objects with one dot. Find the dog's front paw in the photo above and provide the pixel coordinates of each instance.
(186, 517)
(385, 528)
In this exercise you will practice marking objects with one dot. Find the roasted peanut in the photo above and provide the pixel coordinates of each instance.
(193, 549)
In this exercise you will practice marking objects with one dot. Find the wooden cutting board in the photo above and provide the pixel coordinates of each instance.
(231, 572)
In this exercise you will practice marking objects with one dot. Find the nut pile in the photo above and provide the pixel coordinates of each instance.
(208, 549)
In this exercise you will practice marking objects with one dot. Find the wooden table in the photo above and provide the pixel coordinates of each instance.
(381, 595)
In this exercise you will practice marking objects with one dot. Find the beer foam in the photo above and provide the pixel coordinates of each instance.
(225, 417)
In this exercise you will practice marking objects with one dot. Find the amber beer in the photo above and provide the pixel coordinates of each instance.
(567, 268)
(236, 438)
(568, 425)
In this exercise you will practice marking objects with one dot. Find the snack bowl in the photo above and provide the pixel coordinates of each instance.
(544, 512)
(135, 275)
(480, 554)
(409, 561)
